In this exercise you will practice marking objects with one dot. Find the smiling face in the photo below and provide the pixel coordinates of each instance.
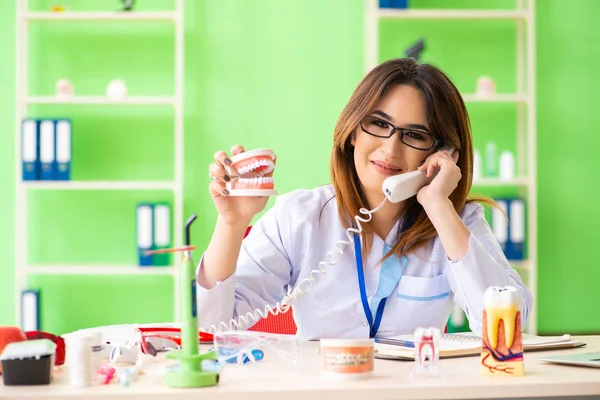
(378, 158)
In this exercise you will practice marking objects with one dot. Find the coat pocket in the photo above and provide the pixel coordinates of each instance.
(426, 302)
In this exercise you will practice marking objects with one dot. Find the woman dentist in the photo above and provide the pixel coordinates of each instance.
(413, 259)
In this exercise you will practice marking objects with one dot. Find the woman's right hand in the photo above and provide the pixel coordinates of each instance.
(234, 210)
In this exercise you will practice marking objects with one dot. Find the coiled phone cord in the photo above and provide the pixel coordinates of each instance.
(305, 284)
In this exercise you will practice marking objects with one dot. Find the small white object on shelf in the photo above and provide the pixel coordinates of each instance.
(486, 87)
(116, 89)
(507, 166)
(64, 89)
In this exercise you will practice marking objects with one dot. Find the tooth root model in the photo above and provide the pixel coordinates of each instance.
(252, 166)
(427, 347)
(502, 347)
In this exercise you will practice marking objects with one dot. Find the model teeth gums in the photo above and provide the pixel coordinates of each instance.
(501, 304)
(251, 166)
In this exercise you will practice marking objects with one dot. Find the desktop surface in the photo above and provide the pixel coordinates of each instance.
(273, 379)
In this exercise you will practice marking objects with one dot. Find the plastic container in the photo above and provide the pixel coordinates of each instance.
(28, 363)
(347, 359)
(241, 347)
(79, 359)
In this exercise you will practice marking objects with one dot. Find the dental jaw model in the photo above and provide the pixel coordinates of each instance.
(251, 167)
(502, 347)
(427, 352)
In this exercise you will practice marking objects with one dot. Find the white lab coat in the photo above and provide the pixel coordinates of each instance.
(294, 235)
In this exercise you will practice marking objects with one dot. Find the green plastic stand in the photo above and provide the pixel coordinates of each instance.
(189, 373)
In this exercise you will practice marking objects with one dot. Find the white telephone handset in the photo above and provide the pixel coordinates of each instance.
(396, 189)
(401, 187)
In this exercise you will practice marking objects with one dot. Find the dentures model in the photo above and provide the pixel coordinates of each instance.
(502, 347)
(427, 347)
(251, 167)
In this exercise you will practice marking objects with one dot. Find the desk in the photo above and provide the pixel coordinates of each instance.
(268, 381)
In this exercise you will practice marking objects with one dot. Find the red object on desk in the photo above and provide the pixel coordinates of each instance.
(280, 323)
(61, 351)
(10, 334)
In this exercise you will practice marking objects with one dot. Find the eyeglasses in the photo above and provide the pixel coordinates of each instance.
(411, 137)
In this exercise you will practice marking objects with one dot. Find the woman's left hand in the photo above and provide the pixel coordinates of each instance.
(442, 186)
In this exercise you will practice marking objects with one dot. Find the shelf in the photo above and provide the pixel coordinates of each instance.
(495, 98)
(141, 100)
(517, 181)
(451, 14)
(522, 265)
(100, 16)
(97, 270)
(99, 185)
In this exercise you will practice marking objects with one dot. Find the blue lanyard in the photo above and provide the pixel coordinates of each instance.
(363, 292)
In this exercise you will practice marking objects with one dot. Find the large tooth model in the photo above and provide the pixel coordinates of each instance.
(502, 347)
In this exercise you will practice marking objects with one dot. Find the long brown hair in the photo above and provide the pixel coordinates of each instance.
(448, 121)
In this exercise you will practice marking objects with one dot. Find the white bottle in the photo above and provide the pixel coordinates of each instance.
(507, 166)
(97, 350)
(476, 165)
(79, 359)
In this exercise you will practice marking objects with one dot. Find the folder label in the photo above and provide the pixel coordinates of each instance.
(47, 150)
(29, 151)
(63, 149)
(144, 233)
(517, 221)
(30, 309)
(162, 233)
(499, 224)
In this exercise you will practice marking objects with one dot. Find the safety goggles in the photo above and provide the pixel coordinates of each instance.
(158, 339)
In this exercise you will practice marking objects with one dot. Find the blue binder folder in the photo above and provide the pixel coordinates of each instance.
(30, 150)
(393, 3)
(47, 149)
(511, 234)
(515, 249)
(499, 223)
(145, 231)
(63, 149)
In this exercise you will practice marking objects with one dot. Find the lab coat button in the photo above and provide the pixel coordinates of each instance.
(365, 324)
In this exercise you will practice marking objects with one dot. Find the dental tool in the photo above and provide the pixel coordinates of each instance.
(189, 372)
